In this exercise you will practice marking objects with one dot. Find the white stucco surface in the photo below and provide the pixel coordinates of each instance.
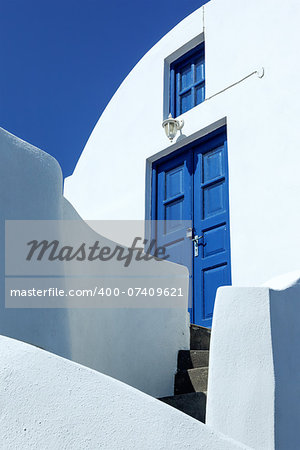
(262, 127)
(284, 281)
(254, 366)
(138, 346)
(51, 403)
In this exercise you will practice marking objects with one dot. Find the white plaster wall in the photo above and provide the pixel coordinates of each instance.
(262, 122)
(138, 346)
(30, 188)
(51, 403)
(254, 365)
(240, 398)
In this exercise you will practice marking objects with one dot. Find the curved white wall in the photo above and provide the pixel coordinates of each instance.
(123, 342)
(262, 122)
(30, 188)
(51, 403)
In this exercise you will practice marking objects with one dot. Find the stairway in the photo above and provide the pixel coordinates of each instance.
(192, 373)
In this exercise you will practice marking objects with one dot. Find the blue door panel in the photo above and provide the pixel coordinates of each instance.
(191, 189)
(212, 278)
(174, 182)
(174, 199)
(213, 165)
(215, 241)
(213, 199)
(173, 211)
(211, 220)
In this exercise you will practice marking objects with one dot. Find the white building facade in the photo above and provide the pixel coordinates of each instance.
(251, 95)
(230, 178)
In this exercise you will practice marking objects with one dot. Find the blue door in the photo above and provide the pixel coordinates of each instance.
(190, 190)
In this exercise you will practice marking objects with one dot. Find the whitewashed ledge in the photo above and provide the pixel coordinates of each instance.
(254, 367)
(49, 402)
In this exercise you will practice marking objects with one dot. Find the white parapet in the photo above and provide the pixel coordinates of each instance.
(51, 403)
(254, 368)
(137, 345)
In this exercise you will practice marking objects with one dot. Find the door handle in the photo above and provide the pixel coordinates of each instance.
(189, 234)
(196, 244)
(195, 240)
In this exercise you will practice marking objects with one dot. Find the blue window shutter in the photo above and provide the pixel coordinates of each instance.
(172, 92)
(177, 97)
(187, 81)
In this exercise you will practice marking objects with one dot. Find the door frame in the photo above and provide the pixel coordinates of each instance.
(182, 145)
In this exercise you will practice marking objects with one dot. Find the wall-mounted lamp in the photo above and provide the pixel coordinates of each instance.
(171, 126)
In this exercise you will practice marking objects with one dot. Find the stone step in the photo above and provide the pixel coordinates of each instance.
(190, 359)
(193, 404)
(199, 337)
(191, 380)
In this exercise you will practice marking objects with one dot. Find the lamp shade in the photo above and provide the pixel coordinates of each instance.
(171, 126)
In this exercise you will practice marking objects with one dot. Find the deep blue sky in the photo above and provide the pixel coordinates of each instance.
(62, 60)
